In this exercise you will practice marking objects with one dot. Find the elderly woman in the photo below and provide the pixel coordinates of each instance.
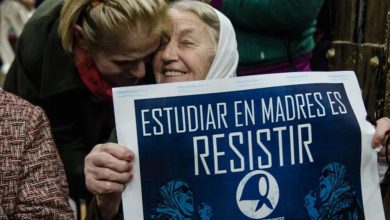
(201, 44)
(174, 201)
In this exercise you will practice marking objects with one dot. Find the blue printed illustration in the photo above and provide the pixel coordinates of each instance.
(337, 196)
(175, 201)
(204, 211)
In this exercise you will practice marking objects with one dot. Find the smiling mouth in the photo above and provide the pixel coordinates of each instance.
(173, 73)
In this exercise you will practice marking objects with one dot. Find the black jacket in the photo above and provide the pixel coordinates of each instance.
(46, 76)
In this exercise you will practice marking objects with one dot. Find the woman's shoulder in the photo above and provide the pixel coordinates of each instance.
(49, 10)
(12, 107)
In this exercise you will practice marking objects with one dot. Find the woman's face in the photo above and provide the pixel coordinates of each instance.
(126, 66)
(327, 180)
(188, 52)
(184, 198)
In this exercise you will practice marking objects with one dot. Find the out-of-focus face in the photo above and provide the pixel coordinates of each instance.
(126, 66)
(188, 52)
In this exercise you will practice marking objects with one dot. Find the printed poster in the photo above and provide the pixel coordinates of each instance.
(277, 146)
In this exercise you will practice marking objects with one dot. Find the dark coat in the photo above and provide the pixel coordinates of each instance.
(46, 76)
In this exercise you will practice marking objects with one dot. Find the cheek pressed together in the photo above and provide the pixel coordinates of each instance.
(126, 67)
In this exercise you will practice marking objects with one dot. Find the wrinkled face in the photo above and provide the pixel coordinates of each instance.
(188, 52)
(326, 179)
(126, 66)
(184, 198)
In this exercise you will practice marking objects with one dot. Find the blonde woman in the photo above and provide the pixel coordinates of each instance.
(68, 58)
(201, 45)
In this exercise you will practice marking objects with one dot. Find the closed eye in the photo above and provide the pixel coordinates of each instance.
(187, 43)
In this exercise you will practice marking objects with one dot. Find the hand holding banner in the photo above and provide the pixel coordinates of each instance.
(278, 146)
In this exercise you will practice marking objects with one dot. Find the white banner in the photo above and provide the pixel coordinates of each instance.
(276, 146)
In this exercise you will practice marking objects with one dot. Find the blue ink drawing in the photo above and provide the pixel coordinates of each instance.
(337, 196)
(175, 201)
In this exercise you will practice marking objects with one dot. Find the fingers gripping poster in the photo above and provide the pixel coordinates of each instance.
(279, 146)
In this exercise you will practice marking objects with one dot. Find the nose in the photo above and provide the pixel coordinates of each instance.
(170, 52)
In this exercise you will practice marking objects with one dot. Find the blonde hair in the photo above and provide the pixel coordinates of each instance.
(104, 22)
(204, 11)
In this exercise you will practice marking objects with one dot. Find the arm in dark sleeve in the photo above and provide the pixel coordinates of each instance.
(270, 15)
(93, 211)
(25, 80)
(20, 78)
(66, 122)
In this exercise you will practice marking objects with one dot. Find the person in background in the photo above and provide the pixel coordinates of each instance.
(13, 15)
(69, 56)
(272, 36)
(33, 183)
(201, 44)
(381, 139)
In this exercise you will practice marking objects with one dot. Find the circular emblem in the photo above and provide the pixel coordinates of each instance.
(257, 194)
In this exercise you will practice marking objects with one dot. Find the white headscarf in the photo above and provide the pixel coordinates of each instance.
(226, 57)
